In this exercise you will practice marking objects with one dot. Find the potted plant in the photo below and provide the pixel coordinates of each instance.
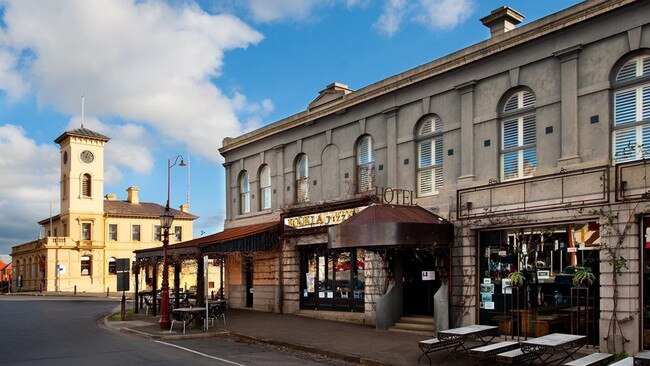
(516, 278)
(582, 276)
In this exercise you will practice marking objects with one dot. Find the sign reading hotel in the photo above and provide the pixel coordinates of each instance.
(321, 218)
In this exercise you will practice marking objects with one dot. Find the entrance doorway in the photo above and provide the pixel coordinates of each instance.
(248, 268)
(645, 241)
(419, 286)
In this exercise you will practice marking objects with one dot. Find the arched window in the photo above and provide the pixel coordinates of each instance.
(302, 178)
(112, 266)
(86, 186)
(631, 130)
(244, 193)
(265, 187)
(429, 137)
(518, 136)
(365, 164)
(86, 265)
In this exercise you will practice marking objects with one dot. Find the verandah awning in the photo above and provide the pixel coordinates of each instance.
(391, 225)
(250, 238)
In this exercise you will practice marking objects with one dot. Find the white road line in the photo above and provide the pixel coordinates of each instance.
(201, 354)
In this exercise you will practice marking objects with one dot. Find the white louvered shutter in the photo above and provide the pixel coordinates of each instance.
(365, 164)
(265, 188)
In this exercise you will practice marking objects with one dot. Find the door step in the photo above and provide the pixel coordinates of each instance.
(416, 324)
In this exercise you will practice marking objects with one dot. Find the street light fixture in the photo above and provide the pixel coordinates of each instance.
(166, 219)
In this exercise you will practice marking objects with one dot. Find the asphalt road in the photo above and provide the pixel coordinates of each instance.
(61, 331)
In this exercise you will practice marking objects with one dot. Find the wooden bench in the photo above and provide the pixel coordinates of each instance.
(434, 344)
(594, 359)
(491, 350)
(514, 356)
(629, 361)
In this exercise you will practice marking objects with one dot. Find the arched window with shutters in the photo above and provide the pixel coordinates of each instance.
(86, 186)
(631, 92)
(244, 193)
(429, 145)
(518, 135)
(365, 164)
(265, 187)
(302, 178)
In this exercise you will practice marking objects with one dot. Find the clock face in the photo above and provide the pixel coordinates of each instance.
(87, 156)
(65, 157)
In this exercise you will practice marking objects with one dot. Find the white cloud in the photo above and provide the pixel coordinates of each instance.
(444, 14)
(143, 61)
(433, 14)
(268, 11)
(22, 196)
(391, 17)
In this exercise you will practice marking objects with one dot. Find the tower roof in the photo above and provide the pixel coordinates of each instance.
(81, 132)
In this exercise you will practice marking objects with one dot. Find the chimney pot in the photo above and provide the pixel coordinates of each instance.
(133, 195)
(502, 20)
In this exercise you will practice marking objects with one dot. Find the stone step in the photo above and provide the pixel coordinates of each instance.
(417, 319)
(423, 333)
(414, 326)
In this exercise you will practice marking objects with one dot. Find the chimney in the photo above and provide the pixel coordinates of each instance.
(111, 197)
(185, 208)
(133, 195)
(502, 20)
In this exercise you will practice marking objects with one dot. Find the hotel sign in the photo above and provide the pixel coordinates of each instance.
(321, 218)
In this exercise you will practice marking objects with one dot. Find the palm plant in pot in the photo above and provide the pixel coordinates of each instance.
(583, 277)
(516, 278)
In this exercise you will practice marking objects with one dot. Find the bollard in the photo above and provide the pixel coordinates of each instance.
(107, 291)
(75, 290)
(212, 295)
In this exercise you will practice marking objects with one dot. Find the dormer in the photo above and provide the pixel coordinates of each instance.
(329, 95)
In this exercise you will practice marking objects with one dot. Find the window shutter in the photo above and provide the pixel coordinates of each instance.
(425, 154)
(528, 99)
(646, 66)
(510, 134)
(426, 126)
(529, 129)
(425, 180)
(530, 162)
(624, 107)
(645, 147)
(512, 103)
(646, 102)
(510, 165)
(628, 71)
(302, 183)
(624, 145)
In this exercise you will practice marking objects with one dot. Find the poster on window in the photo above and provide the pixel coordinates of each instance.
(487, 288)
(310, 283)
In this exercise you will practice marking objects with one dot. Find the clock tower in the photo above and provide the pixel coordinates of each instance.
(82, 174)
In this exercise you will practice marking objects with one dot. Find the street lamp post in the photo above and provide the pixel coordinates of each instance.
(166, 219)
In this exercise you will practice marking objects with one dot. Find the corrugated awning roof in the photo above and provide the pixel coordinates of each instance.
(391, 225)
(258, 237)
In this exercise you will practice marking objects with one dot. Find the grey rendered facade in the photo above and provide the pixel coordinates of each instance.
(568, 162)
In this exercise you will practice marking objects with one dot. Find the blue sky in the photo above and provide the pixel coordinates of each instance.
(163, 78)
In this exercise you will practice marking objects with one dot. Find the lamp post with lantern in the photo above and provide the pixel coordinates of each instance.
(166, 219)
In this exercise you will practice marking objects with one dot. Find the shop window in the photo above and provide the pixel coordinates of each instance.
(332, 280)
(178, 233)
(135, 233)
(631, 130)
(86, 231)
(244, 193)
(365, 164)
(302, 178)
(265, 187)
(86, 265)
(86, 186)
(546, 257)
(112, 266)
(429, 171)
(518, 136)
(157, 233)
(112, 232)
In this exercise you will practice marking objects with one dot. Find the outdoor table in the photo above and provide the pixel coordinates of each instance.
(190, 314)
(642, 358)
(554, 348)
(469, 333)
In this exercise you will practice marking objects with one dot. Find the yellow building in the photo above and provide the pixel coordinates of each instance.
(82, 243)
